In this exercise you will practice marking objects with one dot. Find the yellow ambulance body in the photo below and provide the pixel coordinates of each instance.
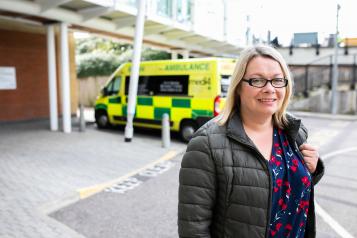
(190, 91)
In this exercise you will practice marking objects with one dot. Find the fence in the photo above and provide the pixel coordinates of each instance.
(89, 89)
(318, 74)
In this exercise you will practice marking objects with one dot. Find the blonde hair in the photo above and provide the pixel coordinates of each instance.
(233, 100)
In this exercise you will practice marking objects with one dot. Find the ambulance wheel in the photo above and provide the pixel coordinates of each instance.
(187, 130)
(102, 120)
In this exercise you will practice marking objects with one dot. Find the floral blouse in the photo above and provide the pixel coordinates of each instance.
(291, 189)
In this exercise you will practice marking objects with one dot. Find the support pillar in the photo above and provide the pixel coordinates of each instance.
(52, 84)
(174, 55)
(185, 54)
(65, 77)
(134, 74)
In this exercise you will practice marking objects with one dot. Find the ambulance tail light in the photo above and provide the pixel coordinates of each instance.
(217, 103)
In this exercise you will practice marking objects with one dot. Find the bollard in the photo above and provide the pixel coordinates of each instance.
(82, 122)
(165, 133)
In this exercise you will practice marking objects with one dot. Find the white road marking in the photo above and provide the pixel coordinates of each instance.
(338, 152)
(326, 135)
(322, 213)
(332, 222)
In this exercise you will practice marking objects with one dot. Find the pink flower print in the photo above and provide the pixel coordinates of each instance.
(279, 131)
(278, 163)
(273, 159)
(279, 182)
(286, 183)
(276, 144)
(301, 224)
(293, 168)
(301, 206)
(272, 232)
(288, 227)
(276, 189)
(288, 191)
(285, 143)
(278, 225)
(278, 151)
(295, 162)
(282, 204)
(305, 181)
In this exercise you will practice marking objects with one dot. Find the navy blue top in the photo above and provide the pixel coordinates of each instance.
(291, 189)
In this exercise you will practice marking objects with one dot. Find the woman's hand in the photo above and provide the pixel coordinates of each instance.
(311, 156)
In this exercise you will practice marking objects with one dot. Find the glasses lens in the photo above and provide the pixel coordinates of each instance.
(258, 82)
(278, 82)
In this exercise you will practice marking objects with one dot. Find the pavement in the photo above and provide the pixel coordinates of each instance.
(43, 171)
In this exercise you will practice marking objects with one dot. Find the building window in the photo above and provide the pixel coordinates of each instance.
(184, 11)
(164, 8)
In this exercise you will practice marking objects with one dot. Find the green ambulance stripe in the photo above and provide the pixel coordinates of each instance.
(201, 113)
(145, 101)
(116, 100)
(178, 102)
(124, 110)
(101, 106)
(159, 111)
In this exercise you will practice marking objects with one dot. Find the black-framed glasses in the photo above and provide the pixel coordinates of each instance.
(261, 82)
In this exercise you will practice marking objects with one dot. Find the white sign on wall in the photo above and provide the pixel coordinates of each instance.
(7, 78)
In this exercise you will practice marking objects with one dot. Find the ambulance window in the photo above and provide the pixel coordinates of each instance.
(143, 85)
(225, 81)
(161, 85)
(171, 85)
(114, 86)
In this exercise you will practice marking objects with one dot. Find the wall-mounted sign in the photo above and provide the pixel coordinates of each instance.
(7, 78)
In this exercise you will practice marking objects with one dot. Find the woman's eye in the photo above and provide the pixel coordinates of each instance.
(258, 81)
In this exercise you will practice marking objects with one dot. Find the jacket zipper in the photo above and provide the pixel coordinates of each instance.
(266, 163)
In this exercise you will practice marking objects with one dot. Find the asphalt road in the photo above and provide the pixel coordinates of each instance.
(146, 204)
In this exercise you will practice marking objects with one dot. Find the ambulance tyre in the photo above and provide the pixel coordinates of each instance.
(187, 129)
(101, 119)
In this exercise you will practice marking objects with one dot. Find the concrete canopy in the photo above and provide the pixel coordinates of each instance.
(115, 19)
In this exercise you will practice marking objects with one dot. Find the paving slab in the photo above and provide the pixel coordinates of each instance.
(41, 170)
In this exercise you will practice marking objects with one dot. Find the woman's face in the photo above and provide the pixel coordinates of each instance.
(261, 101)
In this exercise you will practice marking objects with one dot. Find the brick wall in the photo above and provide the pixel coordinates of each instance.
(27, 52)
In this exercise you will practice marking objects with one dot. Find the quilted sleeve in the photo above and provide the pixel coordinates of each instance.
(197, 189)
(320, 170)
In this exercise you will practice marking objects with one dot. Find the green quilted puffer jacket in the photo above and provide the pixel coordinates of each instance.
(225, 186)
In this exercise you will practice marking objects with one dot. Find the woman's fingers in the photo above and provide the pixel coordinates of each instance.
(311, 156)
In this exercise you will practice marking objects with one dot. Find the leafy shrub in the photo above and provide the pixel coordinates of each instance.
(101, 57)
(96, 64)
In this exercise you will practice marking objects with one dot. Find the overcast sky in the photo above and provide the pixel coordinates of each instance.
(284, 17)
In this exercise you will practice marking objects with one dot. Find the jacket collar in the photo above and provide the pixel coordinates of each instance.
(236, 130)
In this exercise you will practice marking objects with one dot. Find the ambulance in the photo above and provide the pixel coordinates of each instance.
(190, 91)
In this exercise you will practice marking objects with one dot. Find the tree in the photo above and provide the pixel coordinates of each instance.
(101, 56)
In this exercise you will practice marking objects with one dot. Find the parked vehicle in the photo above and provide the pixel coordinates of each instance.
(191, 91)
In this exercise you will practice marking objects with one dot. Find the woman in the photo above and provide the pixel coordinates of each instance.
(249, 172)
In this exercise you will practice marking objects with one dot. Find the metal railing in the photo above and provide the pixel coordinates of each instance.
(318, 73)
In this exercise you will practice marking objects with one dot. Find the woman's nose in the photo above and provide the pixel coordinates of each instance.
(268, 87)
